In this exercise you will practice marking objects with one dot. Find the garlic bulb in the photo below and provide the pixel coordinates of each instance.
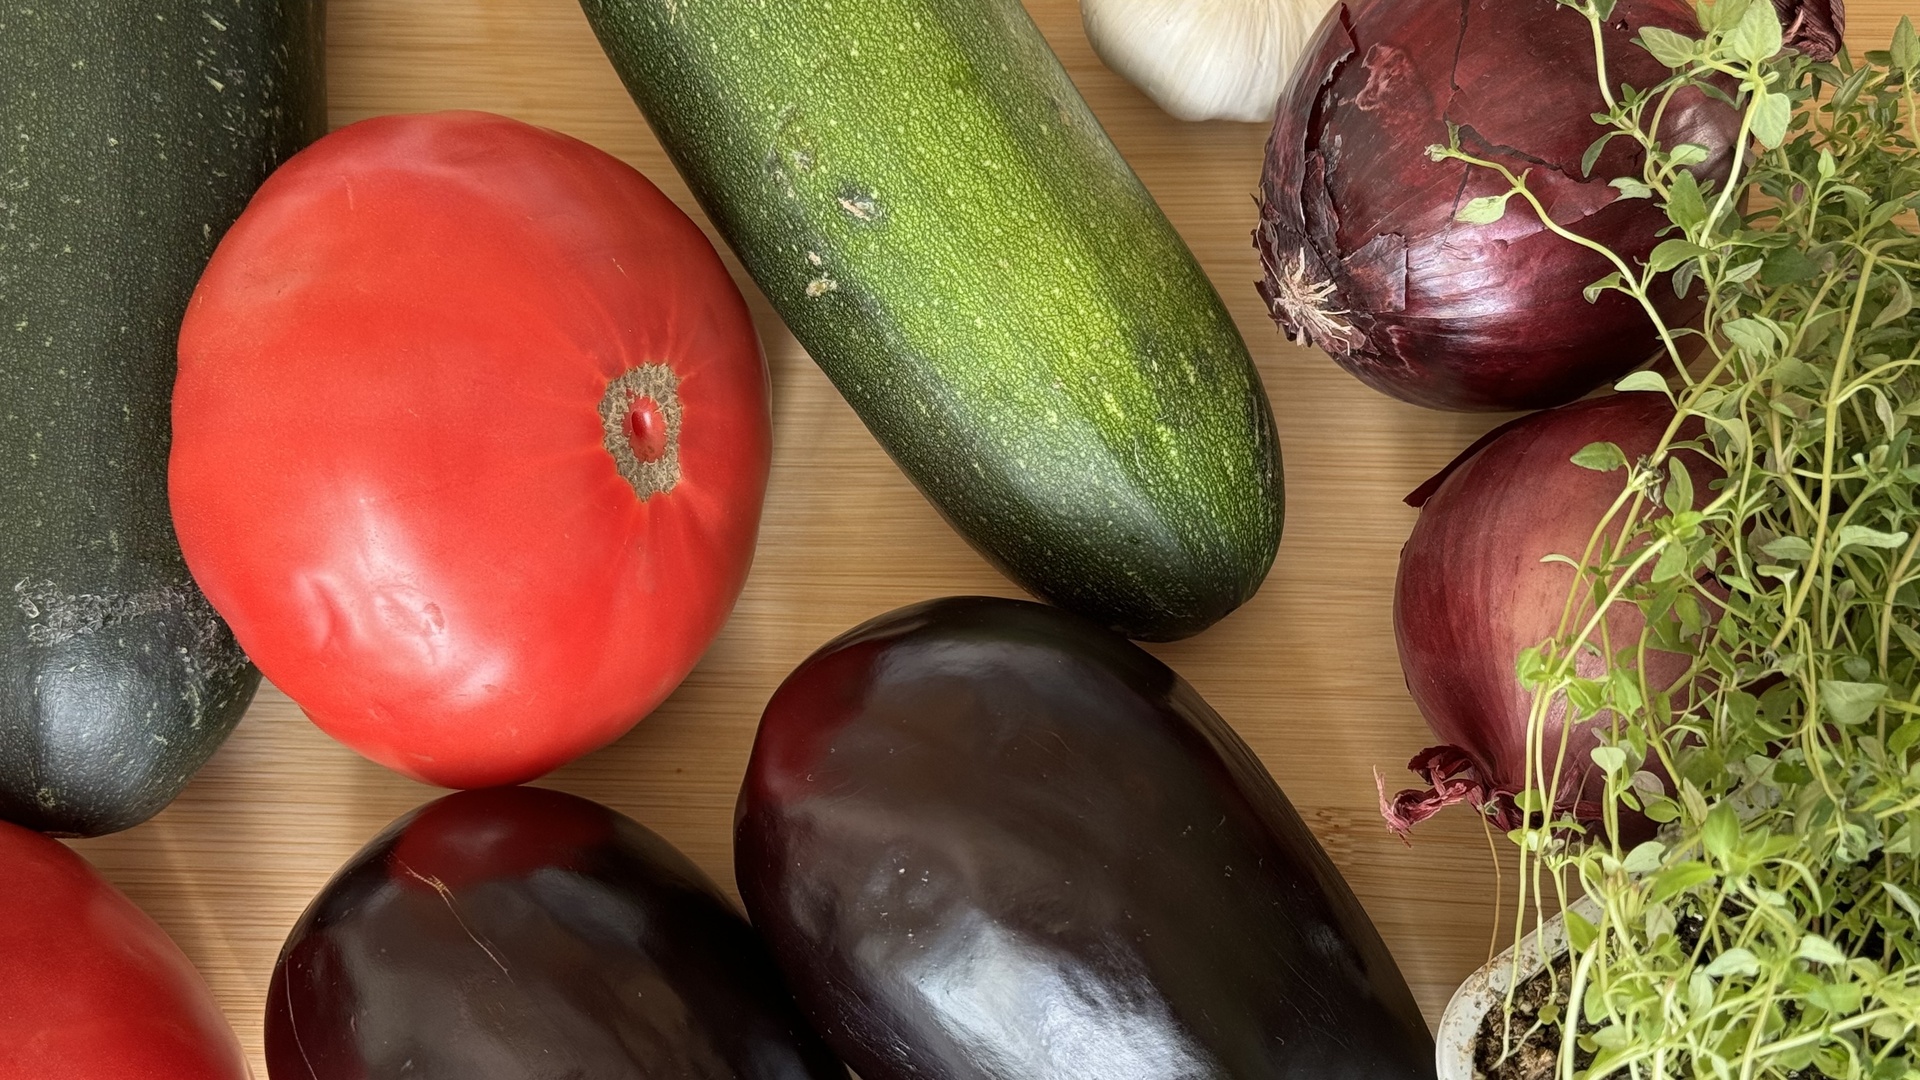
(1205, 59)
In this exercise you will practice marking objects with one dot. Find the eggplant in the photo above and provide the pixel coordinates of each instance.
(990, 840)
(526, 934)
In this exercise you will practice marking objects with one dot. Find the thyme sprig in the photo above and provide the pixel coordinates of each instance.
(1772, 929)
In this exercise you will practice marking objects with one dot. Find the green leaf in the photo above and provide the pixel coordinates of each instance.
(1611, 759)
(1611, 281)
(1757, 37)
(1844, 96)
(1673, 563)
(1905, 53)
(1700, 991)
(1661, 811)
(1789, 549)
(1785, 772)
(1679, 878)
(1744, 271)
(1673, 50)
(1901, 303)
(1850, 702)
(1819, 950)
(1734, 962)
(1771, 112)
(1884, 213)
(1592, 155)
(1785, 266)
(1484, 210)
(1685, 206)
(1751, 336)
(1903, 738)
(1678, 496)
(1716, 94)
(1631, 188)
(1644, 858)
(1723, 15)
(1861, 536)
(1530, 667)
(1720, 833)
(1624, 687)
(1792, 404)
(1600, 457)
(1684, 275)
(1692, 618)
(1901, 897)
(1642, 380)
(1612, 1037)
(1672, 253)
(1658, 918)
(1905, 840)
(1588, 696)
(1687, 154)
(1792, 371)
(1840, 999)
(1890, 1028)
(1581, 934)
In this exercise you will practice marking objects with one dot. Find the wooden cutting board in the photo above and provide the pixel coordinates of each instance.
(1306, 671)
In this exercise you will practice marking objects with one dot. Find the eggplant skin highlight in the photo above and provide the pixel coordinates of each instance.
(990, 840)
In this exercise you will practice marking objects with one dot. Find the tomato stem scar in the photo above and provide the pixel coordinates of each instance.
(640, 427)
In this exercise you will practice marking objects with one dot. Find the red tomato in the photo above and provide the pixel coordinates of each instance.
(470, 438)
(90, 988)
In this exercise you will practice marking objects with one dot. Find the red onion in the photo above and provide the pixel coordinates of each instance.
(1357, 236)
(1814, 27)
(1472, 593)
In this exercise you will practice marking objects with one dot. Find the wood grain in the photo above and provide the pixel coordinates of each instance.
(1306, 671)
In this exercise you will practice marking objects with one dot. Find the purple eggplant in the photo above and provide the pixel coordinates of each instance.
(989, 840)
(525, 934)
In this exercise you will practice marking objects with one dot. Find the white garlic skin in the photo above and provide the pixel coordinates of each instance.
(1205, 59)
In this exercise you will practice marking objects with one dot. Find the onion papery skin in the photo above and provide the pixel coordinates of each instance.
(1472, 592)
(1814, 27)
(1361, 251)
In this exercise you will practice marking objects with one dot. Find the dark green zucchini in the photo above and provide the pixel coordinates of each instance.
(131, 135)
(922, 193)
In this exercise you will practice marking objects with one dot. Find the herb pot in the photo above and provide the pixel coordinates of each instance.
(1485, 989)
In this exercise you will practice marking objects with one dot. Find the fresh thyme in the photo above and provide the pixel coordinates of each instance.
(1772, 930)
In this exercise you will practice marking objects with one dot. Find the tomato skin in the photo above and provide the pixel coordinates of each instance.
(90, 987)
(390, 472)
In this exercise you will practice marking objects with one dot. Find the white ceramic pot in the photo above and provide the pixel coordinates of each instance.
(1486, 988)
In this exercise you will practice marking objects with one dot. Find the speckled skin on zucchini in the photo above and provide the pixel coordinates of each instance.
(132, 133)
(927, 201)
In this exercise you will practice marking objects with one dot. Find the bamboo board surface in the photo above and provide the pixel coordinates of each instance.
(1306, 672)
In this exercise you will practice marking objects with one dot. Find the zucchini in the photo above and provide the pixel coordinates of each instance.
(134, 132)
(929, 204)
